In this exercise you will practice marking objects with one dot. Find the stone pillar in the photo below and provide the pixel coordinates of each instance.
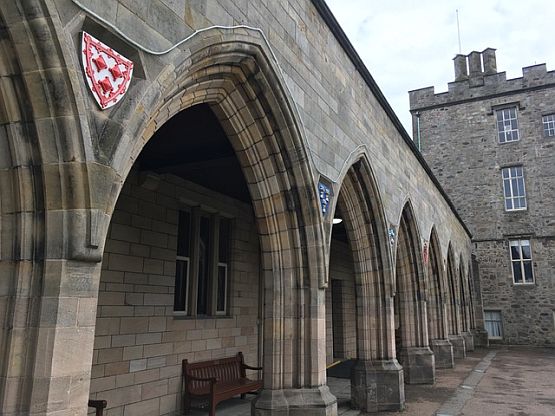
(418, 364)
(316, 401)
(468, 341)
(65, 338)
(459, 350)
(443, 353)
(481, 339)
(377, 385)
(282, 348)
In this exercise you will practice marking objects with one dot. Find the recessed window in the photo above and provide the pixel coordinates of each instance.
(521, 261)
(493, 324)
(507, 125)
(513, 188)
(549, 125)
(202, 264)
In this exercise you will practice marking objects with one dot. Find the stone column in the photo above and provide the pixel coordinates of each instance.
(459, 349)
(289, 341)
(443, 353)
(65, 338)
(418, 364)
(480, 338)
(377, 383)
(468, 341)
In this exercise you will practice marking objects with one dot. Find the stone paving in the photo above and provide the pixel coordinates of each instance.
(509, 382)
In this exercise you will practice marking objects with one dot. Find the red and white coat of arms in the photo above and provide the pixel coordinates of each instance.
(107, 72)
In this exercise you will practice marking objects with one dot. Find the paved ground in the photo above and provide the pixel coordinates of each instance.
(508, 382)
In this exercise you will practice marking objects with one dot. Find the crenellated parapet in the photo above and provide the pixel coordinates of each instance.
(476, 78)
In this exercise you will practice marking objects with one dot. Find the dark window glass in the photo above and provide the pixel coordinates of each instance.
(203, 266)
(184, 234)
(222, 288)
(526, 252)
(181, 283)
(517, 272)
(529, 278)
(223, 249)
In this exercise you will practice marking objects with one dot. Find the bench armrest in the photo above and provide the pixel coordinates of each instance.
(97, 404)
(248, 367)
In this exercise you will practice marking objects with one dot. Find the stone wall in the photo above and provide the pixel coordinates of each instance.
(139, 341)
(459, 139)
(341, 118)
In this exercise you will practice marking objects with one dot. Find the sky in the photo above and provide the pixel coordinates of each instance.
(408, 44)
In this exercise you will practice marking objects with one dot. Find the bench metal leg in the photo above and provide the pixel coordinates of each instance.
(212, 408)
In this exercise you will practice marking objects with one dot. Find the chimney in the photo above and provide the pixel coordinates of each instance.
(461, 72)
(475, 64)
(490, 65)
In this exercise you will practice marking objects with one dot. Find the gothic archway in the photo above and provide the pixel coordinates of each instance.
(410, 304)
(363, 231)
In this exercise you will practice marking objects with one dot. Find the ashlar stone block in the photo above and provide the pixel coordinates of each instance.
(295, 402)
(377, 386)
(459, 350)
(468, 341)
(418, 364)
(443, 353)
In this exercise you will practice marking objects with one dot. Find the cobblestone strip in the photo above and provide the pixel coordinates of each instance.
(465, 391)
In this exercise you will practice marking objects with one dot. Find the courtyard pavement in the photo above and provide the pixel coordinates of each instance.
(517, 381)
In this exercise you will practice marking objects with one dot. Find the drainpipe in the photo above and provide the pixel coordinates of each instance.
(418, 129)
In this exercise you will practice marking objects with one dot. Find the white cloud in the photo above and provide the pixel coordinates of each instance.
(410, 44)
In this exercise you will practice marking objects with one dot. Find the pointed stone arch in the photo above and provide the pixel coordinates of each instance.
(410, 302)
(437, 305)
(234, 73)
(437, 290)
(453, 305)
(358, 200)
(465, 305)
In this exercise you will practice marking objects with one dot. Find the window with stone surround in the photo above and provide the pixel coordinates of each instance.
(521, 261)
(548, 125)
(493, 324)
(507, 124)
(202, 264)
(514, 191)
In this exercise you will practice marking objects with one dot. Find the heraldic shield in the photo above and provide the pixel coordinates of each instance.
(107, 72)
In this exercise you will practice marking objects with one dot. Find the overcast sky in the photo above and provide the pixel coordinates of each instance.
(408, 44)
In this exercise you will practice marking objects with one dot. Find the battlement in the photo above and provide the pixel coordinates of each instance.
(476, 77)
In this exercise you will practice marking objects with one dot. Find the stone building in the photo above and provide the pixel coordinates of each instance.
(490, 142)
(193, 218)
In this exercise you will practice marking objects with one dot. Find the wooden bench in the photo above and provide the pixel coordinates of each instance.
(217, 380)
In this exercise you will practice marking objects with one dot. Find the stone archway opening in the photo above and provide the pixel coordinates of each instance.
(453, 301)
(437, 308)
(181, 274)
(359, 308)
(341, 312)
(411, 334)
(465, 310)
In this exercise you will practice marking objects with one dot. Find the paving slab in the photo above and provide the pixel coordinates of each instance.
(516, 381)
(519, 382)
